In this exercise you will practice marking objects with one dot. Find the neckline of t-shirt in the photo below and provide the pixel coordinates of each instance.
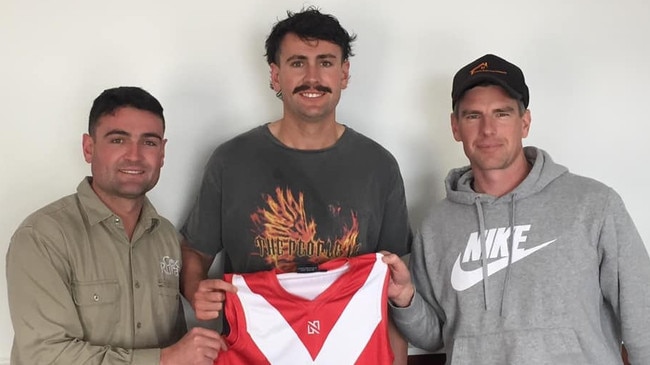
(346, 132)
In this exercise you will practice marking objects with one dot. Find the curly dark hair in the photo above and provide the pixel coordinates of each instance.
(309, 24)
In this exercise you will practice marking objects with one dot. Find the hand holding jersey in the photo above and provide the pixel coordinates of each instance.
(400, 287)
(208, 299)
(199, 346)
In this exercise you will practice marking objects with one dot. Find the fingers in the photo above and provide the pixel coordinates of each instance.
(208, 285)
(206, 314)
(207, 305)
(199, 346)
(400, 288)
(221, 342)
(399, 272)
(208, 341)
(207, 337)
(394, 262)
(211, 342)
(209, 297)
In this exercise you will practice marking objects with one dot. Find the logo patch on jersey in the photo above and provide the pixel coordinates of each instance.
(313, 327)
(169, 266)
(496, 243)
(285, 232)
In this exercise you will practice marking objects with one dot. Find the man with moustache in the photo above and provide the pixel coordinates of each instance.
(301, 190)
(93, 278)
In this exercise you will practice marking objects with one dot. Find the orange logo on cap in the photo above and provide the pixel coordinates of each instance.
(483, 67)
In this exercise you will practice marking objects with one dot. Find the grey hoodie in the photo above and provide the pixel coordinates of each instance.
(576, 284)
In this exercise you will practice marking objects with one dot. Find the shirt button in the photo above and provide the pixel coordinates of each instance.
(96, 297)
(139, 325)
(137, 285)
(117, 220)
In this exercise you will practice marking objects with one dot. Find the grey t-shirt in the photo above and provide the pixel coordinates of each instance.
(270, 206)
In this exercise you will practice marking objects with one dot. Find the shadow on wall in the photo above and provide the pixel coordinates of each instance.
(437, 149)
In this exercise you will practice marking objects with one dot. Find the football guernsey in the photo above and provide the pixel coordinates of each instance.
(335, 315)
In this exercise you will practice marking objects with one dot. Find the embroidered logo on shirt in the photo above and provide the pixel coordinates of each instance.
(496, 243)
(169, 266)
(313, 327)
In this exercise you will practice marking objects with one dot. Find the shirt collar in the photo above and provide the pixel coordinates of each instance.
(97, 211)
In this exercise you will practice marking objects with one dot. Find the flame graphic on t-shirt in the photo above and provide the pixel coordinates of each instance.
(284, 234)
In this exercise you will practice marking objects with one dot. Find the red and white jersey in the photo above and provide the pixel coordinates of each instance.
(337, 315)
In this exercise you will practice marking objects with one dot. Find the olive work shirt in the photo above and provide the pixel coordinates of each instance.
(81, 293)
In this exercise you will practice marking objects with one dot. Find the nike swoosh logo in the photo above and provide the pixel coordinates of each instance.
(461, 279)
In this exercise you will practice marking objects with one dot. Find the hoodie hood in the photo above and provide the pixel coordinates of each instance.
(459, 181)
(459, 190)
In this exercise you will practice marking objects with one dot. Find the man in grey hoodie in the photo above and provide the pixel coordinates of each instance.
(523, 262)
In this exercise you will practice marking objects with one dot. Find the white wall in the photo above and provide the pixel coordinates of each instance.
(586, 62)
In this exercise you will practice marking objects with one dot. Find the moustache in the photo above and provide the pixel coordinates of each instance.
(320, 88)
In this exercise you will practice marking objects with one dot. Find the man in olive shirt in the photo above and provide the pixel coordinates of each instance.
(93, 277)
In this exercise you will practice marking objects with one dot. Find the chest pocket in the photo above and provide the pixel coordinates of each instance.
(98, 304)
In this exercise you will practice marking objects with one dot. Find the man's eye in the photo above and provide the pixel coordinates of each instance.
(151, 143)
(472, 116)
(503, 115)
(296, 64)
(326, 64)
(117, 140)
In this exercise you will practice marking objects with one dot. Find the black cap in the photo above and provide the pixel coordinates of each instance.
(490, 68)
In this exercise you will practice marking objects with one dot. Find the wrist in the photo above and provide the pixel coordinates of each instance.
(405, 299)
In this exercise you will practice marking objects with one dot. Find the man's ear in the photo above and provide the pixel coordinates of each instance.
(162, 156)
(454, 127)
(525, 126)
(346, 74)
(275, 77)
(88, 146)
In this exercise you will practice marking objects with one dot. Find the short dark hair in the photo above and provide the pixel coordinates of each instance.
(110, 100)
(309, 24)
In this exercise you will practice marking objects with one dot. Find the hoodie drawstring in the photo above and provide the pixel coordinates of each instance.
(482, 233)
(510, 244)
(484, 254)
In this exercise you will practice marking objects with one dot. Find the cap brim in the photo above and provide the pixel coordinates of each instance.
(476, 80)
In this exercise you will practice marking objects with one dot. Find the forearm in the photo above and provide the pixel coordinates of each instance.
(74, 351)
(418, 323)
(194, 269)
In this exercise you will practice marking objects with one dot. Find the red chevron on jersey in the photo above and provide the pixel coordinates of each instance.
(342, 321)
